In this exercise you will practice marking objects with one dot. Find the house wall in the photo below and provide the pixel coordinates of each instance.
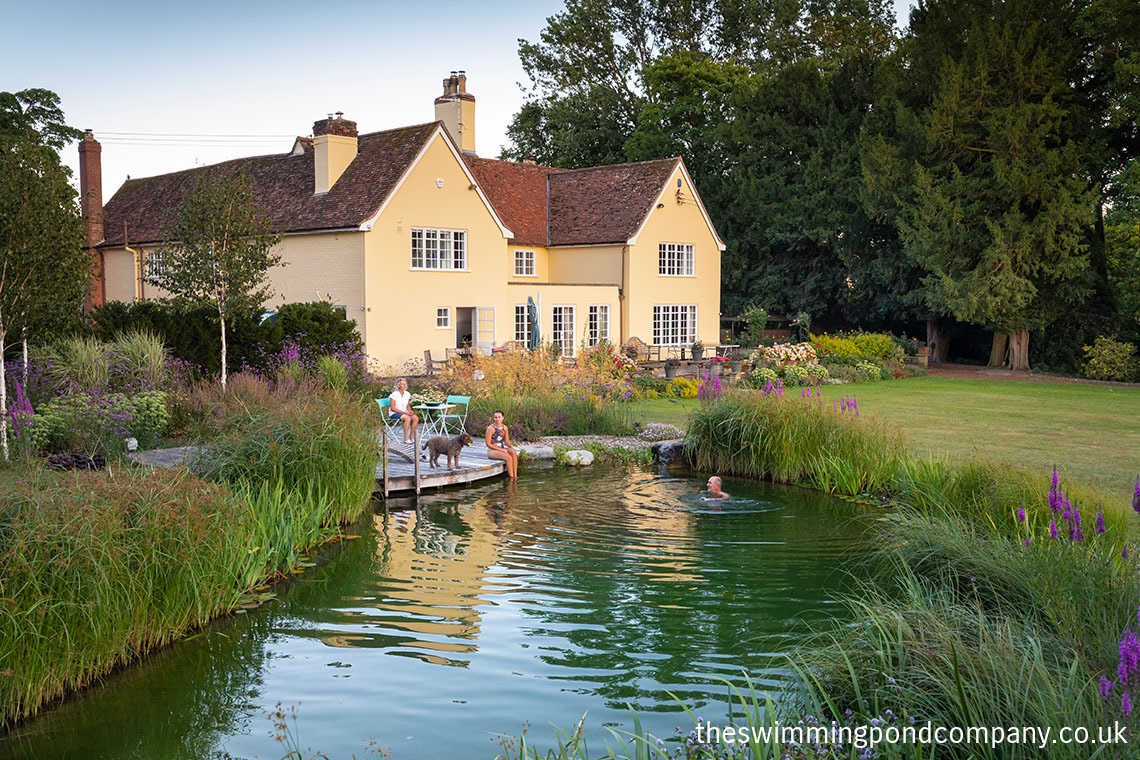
(581, 297)
(403, 301)
(673, 223)
(325, 266)
(593, 264)
(541, 264)
(119, 274)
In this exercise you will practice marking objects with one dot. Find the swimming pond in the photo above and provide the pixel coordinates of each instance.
(486, 610)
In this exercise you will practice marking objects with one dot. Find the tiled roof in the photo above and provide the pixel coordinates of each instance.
(517, 192)
(600, 205)
(604, 204)
(539, 204)
(282, 184)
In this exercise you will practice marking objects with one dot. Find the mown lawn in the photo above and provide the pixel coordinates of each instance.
(1091, 432)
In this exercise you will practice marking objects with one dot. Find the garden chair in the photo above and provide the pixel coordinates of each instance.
(394, 429)
(456, 415)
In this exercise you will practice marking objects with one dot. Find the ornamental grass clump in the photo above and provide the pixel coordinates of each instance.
(97, 570)
(769, 437)
(316, 444)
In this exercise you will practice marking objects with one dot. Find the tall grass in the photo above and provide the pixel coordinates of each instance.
(980, 608)
(793, 441)
(96, 569)
(319, 446)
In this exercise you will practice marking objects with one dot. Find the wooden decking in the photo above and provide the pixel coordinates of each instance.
(400, 475)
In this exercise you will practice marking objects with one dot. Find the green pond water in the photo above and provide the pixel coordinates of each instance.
(484, 610)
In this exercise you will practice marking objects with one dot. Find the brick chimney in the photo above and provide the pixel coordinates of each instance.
(334, 148)
(456, 109)
(91, 209)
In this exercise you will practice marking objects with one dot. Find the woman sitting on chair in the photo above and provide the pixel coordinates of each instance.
(401, 408)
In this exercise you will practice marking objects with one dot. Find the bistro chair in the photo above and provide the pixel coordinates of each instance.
(456, 414)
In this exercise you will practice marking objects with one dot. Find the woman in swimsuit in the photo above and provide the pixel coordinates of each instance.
(498, 440)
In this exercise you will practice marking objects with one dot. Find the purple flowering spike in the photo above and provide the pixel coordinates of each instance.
(1136, 496)
(1052, 528)
(1056, 478)
(1105, 687)
(1126, 704)
(1025, 542)
(1138, 614)
(1021, 514)
(1100, 528)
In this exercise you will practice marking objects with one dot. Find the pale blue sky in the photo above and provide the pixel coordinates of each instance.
(262, 68)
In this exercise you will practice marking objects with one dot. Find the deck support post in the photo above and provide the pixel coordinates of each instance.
(416, 459)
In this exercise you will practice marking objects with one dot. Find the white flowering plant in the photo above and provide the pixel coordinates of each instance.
(783, 355)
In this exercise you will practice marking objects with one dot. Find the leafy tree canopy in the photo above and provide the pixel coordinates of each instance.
(220, 250)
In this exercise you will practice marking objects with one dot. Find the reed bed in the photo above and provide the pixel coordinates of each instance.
(97, 569)
(768, 437)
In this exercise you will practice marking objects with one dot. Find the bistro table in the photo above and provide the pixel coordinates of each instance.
(433, 420)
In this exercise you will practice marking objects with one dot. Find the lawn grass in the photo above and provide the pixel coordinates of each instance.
(671, 411)
(1091, 432)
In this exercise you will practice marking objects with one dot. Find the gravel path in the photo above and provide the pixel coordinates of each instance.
(576, 441)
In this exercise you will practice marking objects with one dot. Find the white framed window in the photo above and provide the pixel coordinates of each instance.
(443, 318)
(522, 323)
(155, 263)
(675, 259)
(438, 249)
(598, 324)
(674, 324)
(562, 329)
(524, 263)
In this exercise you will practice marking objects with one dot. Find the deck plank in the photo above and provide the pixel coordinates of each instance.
(474, 464)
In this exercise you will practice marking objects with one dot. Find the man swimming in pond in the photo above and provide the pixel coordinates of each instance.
(714, 485)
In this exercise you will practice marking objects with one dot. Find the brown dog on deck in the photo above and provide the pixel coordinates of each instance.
(440, 444)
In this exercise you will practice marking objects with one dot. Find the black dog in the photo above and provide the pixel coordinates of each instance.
(440, 444)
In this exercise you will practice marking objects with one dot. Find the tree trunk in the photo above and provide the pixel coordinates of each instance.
(937, 340)
(997, 350)
(222, 319)
(1019, 350)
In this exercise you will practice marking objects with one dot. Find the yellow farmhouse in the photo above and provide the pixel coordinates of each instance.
(429, 247)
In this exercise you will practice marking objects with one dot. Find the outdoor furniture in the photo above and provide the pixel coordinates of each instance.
(432, 419)
(456, 420)
(394, 429)
(431, 366)
(636, 349)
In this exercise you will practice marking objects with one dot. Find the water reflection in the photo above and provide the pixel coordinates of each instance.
(569, 593)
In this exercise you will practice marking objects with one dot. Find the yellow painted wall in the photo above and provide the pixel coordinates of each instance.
(675, 223)
(402, 322)
(541, 264)
(328, 263)
(593, 264)
(119, 275)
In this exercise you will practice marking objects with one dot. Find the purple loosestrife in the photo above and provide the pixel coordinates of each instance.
(1136, 496)
(1021, 514)
(1052, 528)
(1126, 704)
(1129, 656)
(1105, 687)
(1100, 527)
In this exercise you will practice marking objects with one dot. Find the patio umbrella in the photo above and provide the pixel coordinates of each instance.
(532, 314)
